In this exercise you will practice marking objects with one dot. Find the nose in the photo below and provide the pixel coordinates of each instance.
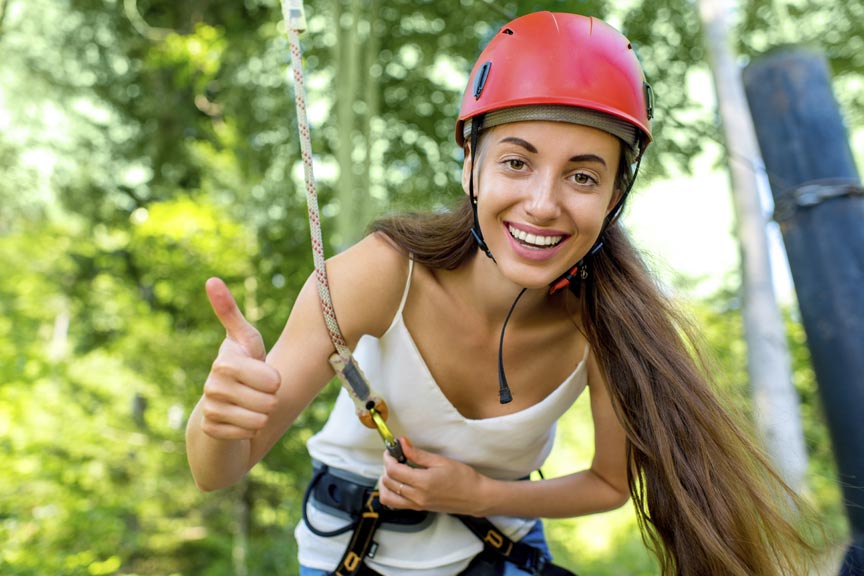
(543, 204)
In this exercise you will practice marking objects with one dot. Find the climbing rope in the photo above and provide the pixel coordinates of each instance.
(295, 22)
(371, 409)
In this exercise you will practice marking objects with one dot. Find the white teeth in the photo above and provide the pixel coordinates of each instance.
(532, 239)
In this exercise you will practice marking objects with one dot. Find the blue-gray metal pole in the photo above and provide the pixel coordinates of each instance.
(820, 208)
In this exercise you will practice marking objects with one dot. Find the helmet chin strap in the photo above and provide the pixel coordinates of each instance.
(475, 230)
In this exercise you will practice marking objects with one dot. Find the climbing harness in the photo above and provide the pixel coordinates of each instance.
(345, 494)
(340, 491)
(371, 408)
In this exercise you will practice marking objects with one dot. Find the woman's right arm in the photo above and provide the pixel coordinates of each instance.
(249, 399)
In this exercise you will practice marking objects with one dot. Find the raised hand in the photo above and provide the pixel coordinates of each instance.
(240, 391)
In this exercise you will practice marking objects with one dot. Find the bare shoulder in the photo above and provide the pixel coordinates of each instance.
(367, 281)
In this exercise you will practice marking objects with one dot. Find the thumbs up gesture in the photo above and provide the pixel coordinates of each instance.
(240, 391)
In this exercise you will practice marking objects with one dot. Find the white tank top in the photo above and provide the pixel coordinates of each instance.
(504, 447)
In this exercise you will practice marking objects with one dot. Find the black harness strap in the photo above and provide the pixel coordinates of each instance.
(361, 545)
(523, 555)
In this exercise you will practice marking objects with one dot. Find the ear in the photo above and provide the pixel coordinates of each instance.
(467, 166)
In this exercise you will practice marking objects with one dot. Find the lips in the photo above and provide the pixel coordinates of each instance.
(537, 241)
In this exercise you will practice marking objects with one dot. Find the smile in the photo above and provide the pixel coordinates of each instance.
(534, 240)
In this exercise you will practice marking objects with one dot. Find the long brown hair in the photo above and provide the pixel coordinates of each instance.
(706, 498)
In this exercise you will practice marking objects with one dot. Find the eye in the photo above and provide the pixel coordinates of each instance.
(515, 163)
(584, 179)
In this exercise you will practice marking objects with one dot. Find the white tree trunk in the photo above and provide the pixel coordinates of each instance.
(768, 364)
(367, 207)
(347, 76)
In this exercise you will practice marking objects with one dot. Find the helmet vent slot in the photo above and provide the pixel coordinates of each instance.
(507, 31)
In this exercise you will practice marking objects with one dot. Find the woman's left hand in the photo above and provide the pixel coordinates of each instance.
(437, 483)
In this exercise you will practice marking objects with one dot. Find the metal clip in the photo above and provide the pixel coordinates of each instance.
(390, 442)
(292, 13)
(812, 194)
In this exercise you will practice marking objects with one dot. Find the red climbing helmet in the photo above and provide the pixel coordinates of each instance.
(558, 66)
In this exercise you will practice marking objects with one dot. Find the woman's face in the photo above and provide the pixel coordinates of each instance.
(543, 190)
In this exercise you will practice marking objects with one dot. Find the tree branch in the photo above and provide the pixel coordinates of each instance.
(499, 10)
(130, 8)
(4, 4)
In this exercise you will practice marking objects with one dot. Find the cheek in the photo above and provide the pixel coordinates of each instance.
(493, 191)
(587, 205)
(588, 211)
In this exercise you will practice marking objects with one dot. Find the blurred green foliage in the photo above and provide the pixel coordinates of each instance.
(147, 145)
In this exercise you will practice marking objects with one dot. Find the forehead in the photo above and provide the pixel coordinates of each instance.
(558, 136)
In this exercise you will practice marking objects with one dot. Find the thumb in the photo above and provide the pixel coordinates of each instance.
(416, 456)
(237, 327)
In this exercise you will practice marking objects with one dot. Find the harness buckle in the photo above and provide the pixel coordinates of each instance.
(538, 562)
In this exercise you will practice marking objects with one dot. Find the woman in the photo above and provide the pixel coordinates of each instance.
(554, 121)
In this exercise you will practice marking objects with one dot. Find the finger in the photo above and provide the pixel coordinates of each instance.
(222, 431)
(395, 472)
(419, 458)
(238, 328)
(235, 367)
(216, 412)
(240, 395)
(394, 494)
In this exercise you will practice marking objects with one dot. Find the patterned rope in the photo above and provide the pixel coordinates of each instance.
(292, 12)
(371, 409)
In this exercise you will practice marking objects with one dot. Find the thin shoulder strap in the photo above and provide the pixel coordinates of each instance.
(407, 285)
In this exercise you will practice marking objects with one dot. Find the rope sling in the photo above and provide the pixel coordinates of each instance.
(371, 408)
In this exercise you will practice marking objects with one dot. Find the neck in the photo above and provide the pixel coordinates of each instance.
(484, 290)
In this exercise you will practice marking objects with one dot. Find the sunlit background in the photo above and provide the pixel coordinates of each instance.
(146, 145)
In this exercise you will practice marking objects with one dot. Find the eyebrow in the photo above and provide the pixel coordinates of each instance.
(588, 158)
(519, 142)
(531, 148)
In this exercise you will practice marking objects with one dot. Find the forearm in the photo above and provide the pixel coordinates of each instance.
(215, 463)
(577, 494)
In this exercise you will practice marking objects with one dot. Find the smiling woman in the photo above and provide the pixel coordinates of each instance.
(554, 122)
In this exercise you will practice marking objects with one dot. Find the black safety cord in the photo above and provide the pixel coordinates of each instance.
(504, 395)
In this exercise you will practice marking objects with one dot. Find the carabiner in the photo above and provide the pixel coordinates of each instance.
(390, 442)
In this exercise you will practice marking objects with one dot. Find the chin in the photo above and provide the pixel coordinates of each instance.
(528, 278)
